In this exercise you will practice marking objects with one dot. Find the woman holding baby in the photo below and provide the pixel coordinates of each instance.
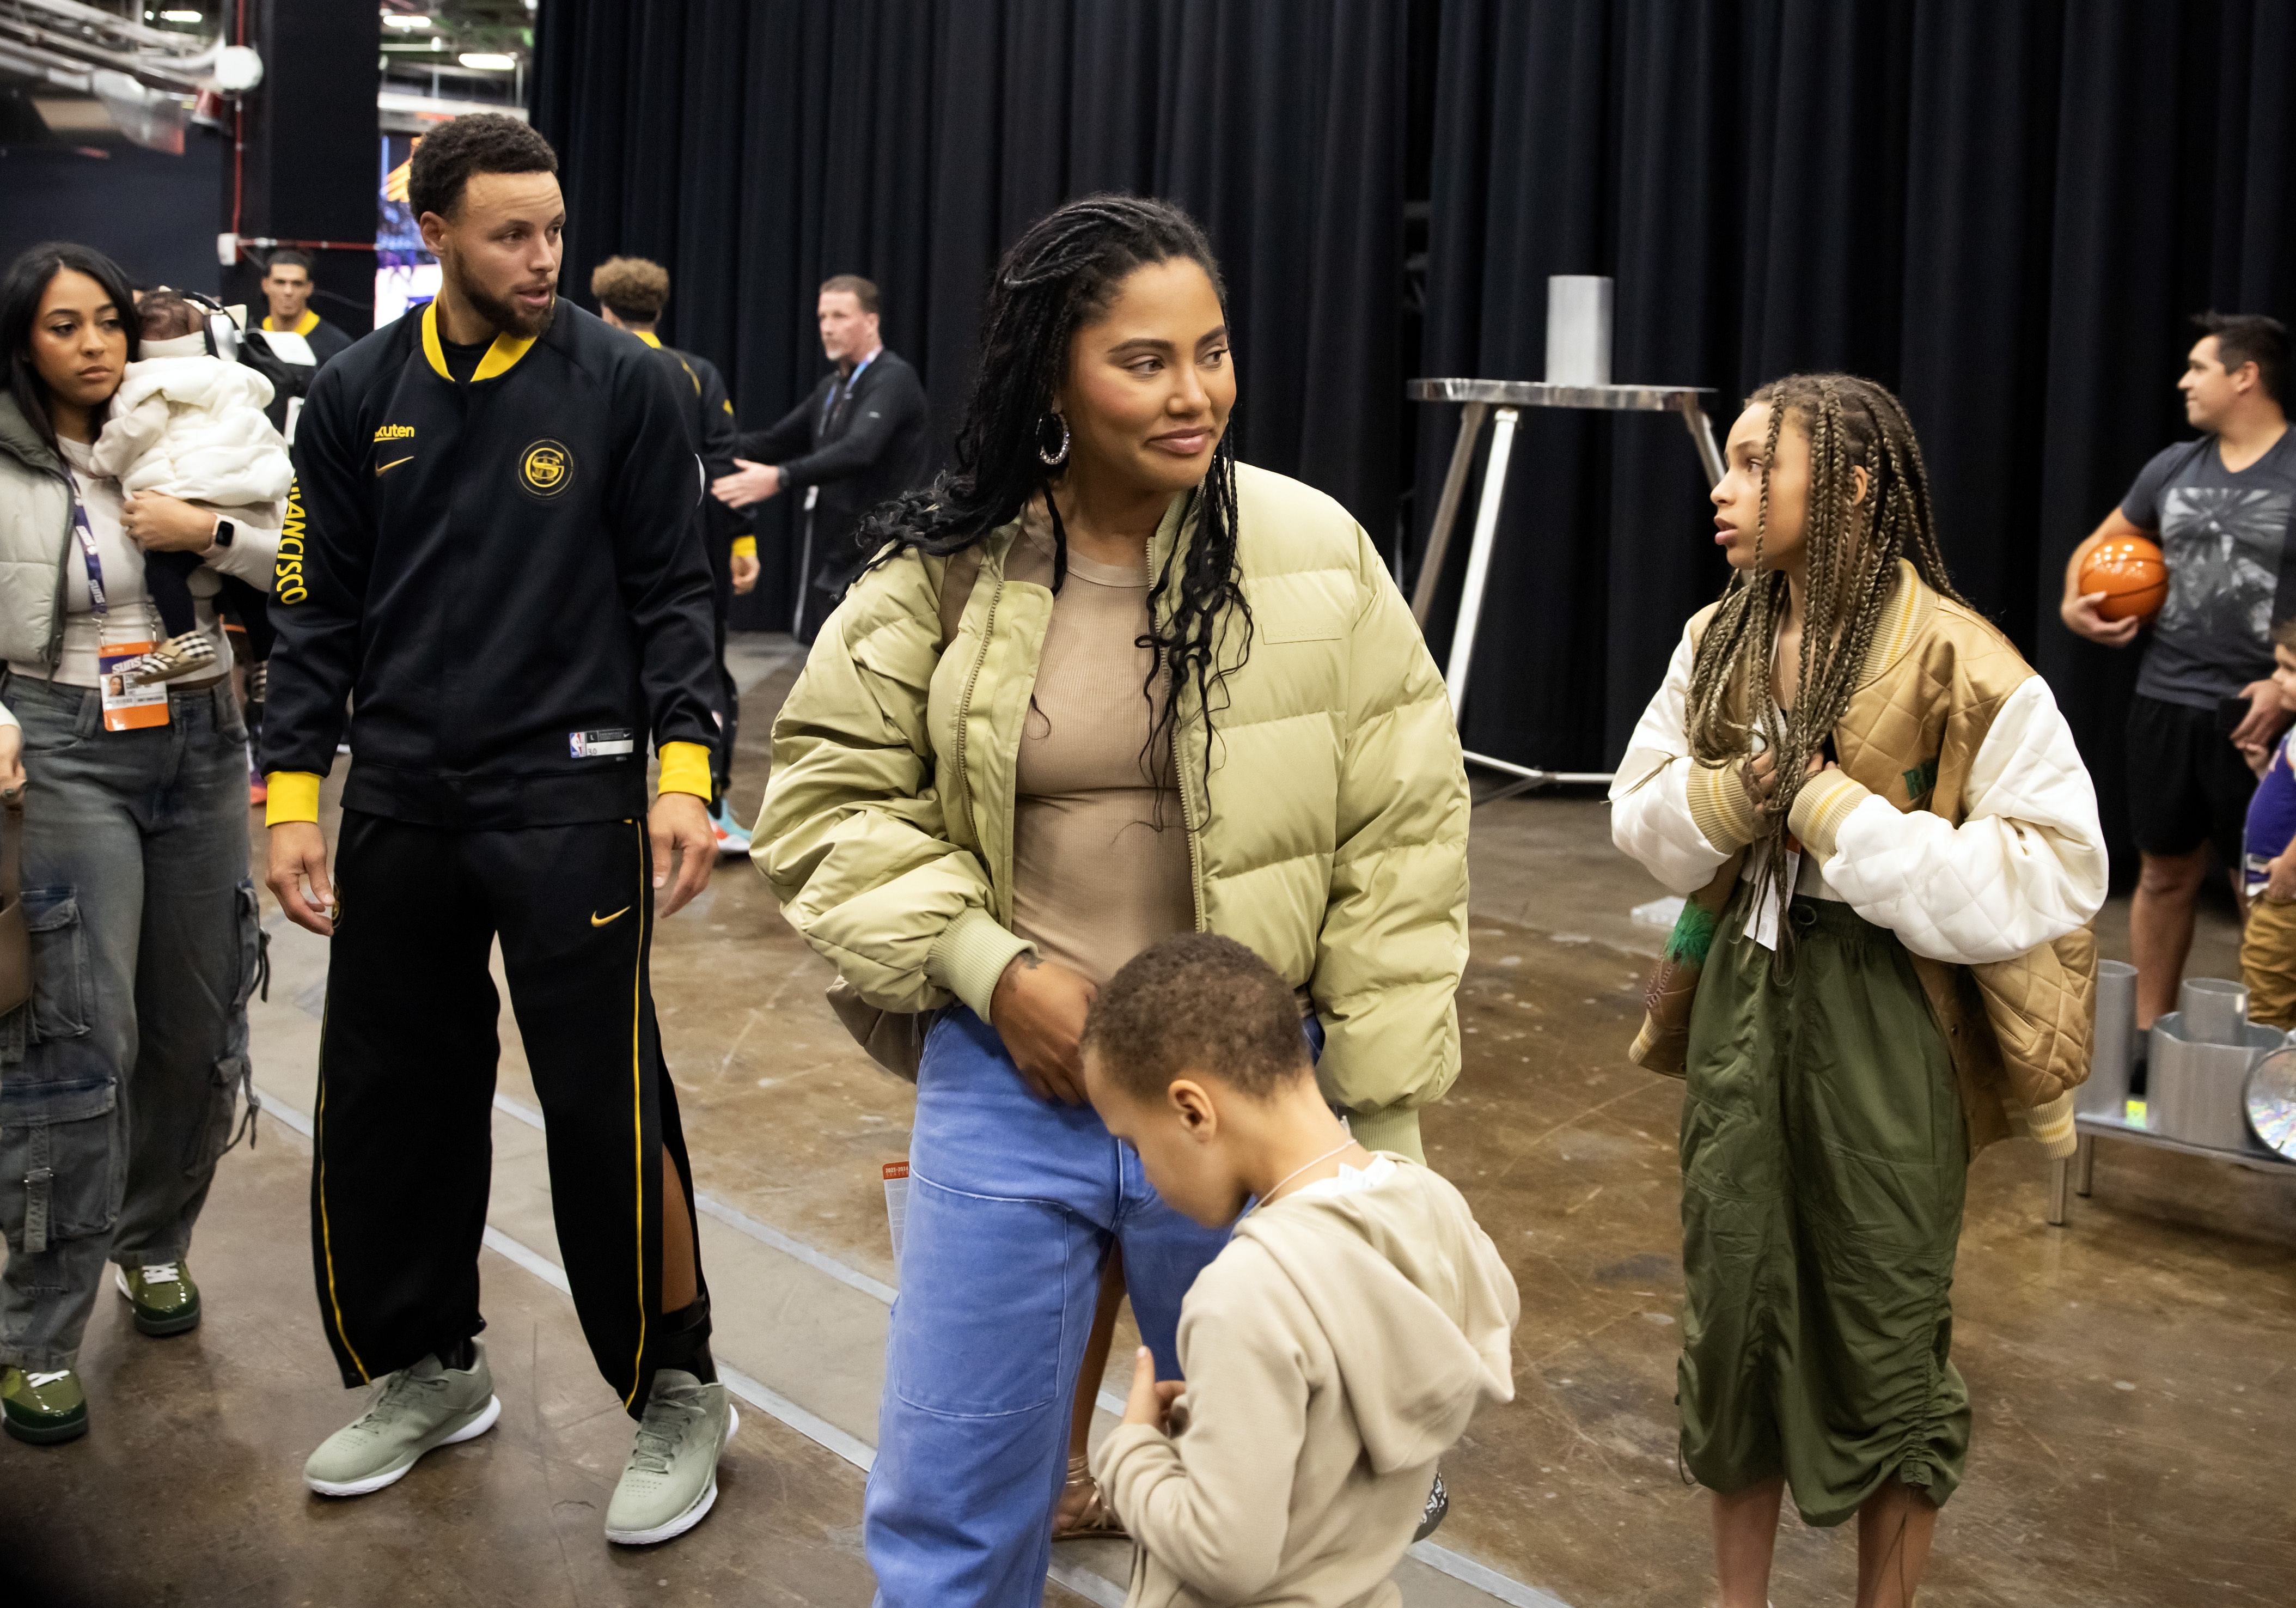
(117, 1079)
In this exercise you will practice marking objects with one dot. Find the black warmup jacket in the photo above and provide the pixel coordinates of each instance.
(869, 447)
(709, 413)
(503, 577)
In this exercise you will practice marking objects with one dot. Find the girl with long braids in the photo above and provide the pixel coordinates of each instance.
(1893, 853)
(1102, 683)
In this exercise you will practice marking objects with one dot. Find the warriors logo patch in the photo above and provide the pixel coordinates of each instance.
(546, 469)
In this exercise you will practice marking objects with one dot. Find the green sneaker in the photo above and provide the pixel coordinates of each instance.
(162, 1297)
(41, 1408)
(671, 1479)
(416, 1410)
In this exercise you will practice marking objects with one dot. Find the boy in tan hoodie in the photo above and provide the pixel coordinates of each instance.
(1337, 1347)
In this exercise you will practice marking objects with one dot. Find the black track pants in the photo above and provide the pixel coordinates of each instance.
(406, 1084)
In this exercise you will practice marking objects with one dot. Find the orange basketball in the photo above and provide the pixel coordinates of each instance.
(2132, 575)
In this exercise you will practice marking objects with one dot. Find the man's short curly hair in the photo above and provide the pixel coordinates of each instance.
(1199, 1004)
(484, 142)
(633, 287)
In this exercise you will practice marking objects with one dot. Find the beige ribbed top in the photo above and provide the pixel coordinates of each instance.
(1100, 848)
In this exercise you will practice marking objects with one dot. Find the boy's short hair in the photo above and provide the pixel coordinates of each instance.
(287, 256)
(633, 287)
(163, 315)
(1198, 1003)
(478, 142)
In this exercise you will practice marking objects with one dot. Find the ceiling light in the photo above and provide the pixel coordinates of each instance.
(487, 61)
(400, 19)
(181, 17)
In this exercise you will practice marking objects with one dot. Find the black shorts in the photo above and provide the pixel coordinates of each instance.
(2187, 784)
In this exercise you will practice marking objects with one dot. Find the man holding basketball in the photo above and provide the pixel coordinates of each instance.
(2220, 508)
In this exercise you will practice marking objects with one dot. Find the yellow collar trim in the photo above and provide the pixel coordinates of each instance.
(649, 337)
(304, 325)
(501, 357)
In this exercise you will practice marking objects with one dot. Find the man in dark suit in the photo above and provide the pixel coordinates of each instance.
(856, 440)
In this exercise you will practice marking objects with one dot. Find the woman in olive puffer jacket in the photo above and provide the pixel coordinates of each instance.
(1102, 684)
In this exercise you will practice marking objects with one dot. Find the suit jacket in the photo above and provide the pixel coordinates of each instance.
(860, 449)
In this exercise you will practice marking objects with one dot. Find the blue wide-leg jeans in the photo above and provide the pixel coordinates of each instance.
(1012, 1205)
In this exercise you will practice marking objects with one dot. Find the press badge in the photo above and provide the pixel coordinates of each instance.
(127, 707)
(601, 744)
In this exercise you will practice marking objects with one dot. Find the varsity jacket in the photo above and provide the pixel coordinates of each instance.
(501, 575)
(1962, 819)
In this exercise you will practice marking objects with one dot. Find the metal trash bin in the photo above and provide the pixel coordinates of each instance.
(2195, 1091)
(2114, 1055)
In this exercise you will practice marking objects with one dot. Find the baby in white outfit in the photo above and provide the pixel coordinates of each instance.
(189, 425)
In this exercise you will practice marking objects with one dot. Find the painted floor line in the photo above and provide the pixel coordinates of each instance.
(1504, 1588)
(1092, 1587)
(711, 1206)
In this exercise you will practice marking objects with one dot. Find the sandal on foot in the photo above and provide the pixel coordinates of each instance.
(1095, 1520)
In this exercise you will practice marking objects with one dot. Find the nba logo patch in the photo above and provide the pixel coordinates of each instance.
(601, 744)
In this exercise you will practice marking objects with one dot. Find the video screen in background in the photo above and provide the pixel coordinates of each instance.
(406, 275)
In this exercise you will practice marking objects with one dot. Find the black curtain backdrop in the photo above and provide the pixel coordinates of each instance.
(757, 148)
(2003, 212)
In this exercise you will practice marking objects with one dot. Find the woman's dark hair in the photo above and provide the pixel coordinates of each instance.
(26, 282)
(1060, 275)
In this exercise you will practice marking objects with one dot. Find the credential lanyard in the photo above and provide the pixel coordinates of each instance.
(85, 533)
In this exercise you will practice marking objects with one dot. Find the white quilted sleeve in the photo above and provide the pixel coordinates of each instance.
(1649, 803)
(2026, 865)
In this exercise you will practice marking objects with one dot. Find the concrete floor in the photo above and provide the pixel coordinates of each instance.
(2130, 1371)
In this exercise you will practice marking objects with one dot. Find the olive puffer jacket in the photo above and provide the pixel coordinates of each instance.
(1333, 842)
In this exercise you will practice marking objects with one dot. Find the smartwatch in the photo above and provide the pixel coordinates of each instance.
(223, 533)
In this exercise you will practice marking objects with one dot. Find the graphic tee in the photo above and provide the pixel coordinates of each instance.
(2271, 819)
(2225, 537)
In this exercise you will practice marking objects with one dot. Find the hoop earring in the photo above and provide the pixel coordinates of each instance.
(1053, 460)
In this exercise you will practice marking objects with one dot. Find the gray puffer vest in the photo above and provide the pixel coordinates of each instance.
(36, 539)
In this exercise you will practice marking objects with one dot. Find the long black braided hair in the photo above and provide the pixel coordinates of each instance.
(1060, 275)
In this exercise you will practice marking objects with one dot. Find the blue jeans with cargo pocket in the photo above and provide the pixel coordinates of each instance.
(1012, 1205)
(118, 1079)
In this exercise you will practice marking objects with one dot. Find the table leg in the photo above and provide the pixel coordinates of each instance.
(2085, 1166)
(1446, 512)
(1479, 559)
(1701, 437)
(2060, 1176)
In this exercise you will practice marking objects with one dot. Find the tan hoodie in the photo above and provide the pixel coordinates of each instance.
(1333, 1351)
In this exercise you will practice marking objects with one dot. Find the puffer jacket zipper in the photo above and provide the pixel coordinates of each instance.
(965, 708)
(53, 656)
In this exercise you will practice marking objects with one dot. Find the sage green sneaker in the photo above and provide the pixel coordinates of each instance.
(415, 1411)
(671, 1479)
(161, 1296)
(42, 1407)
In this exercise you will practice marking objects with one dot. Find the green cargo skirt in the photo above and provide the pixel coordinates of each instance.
(1824, 1156)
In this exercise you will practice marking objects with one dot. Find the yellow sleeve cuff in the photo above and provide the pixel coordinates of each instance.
(291, 795)
(745, 547)
(1719, 808)
(685, 769)
(1821, 807)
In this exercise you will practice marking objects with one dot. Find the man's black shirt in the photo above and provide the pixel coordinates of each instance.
(501, 575)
